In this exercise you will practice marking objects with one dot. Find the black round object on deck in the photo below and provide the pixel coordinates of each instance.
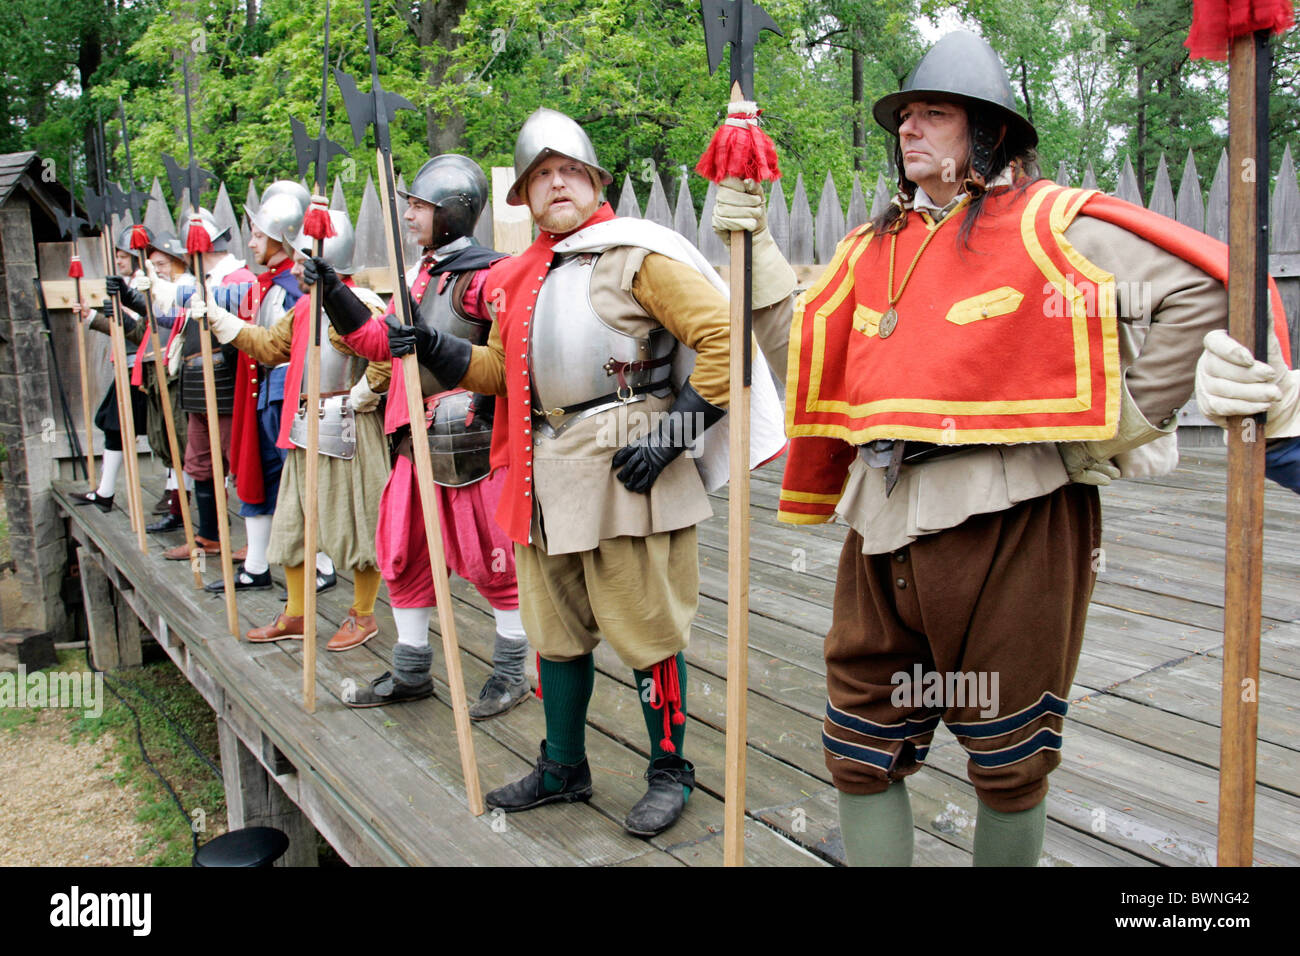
(252, 846)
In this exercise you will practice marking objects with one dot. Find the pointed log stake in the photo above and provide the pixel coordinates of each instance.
(432, 522)
(1244, 564)
(126, 420)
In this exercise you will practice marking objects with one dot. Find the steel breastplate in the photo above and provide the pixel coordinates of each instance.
(338, 371)
(572, 350)
(337, 432)
(437, 312)
(459, 452)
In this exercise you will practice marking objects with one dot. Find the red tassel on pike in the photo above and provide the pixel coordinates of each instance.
(74, 268)
(739, 148)
(139, 237)
(1216, 23)
(197, 239)
(317, 223)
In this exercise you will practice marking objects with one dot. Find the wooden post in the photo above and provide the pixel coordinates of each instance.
(737, 563)
(310, 508)
(169, 421)
(512, 226)
(126, 420)
(433, 528)
(214, 443)
(1244, 562)
(86, 414)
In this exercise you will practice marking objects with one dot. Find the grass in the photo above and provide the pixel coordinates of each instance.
(200, 790)
(169, 842)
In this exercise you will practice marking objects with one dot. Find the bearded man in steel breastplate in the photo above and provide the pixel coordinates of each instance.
(600, 502)
(443, 204)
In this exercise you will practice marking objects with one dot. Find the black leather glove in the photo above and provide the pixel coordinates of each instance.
(346, 312)
(129, 297)
(446, 356)
(645, 459)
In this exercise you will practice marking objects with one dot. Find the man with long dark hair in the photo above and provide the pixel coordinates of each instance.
(964, 374)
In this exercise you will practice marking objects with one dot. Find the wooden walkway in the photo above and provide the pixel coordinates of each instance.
(1137, 785)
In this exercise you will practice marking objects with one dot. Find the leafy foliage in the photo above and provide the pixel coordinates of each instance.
(1101, 79)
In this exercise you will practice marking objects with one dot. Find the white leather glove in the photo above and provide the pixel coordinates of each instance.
(224, 325)
(361, 398)
(740, 207)
(1089, 462)
(1231, 382)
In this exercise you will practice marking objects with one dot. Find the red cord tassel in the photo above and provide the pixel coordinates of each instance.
(667, 696)
(318, 223)
(539, 675)
(1216, 23)
(197, 240)
(74, 268)
(739, 148)
(139, 237)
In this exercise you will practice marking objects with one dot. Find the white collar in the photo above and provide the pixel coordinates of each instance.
(922, 202)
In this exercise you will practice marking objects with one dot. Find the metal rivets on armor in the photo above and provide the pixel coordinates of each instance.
(902, 585)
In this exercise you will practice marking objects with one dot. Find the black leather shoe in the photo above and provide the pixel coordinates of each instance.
(531, 790)
(90, 498)
(499, 696)
(244, 581)
(387, 689)
(664, 802)
(165, 524)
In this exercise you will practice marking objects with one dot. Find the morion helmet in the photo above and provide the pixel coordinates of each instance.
(337, 249)
(283, 206)
(963, 68)
(544, 134)
(123, 243)
(457, 187)
(218, 235)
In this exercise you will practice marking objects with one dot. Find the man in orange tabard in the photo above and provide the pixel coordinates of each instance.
(966, 372)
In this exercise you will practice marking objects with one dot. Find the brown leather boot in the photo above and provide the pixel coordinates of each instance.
(354, 632)
(182, 553)
(284, 628)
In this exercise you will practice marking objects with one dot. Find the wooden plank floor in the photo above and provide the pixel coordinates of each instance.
(1137, 785)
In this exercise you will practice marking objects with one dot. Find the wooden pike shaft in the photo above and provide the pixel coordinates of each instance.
(1244, 560)
(311, 509)
(433, 532)
(126, 418)
(85, 389)
(218, 466)
(173, 444)
(733, 841)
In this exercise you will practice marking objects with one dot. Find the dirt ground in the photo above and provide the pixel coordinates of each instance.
(59, 802)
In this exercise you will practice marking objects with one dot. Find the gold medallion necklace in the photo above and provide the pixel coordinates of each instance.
(889, 321)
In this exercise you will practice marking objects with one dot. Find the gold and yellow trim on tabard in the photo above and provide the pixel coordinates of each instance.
(849, 250)
(810, 498)
(1066, 204)
(1082, 400)
(986, 305)
(866, 320)
(794, 517)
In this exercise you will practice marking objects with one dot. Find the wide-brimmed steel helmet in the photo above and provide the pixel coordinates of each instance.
(457, 187)
(123, 242)
(168, 243)
(218, 235)
(337, 250)
(280, 216)
(964, 68)
(545, 134)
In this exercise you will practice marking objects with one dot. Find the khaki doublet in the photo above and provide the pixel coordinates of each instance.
(605, 561)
